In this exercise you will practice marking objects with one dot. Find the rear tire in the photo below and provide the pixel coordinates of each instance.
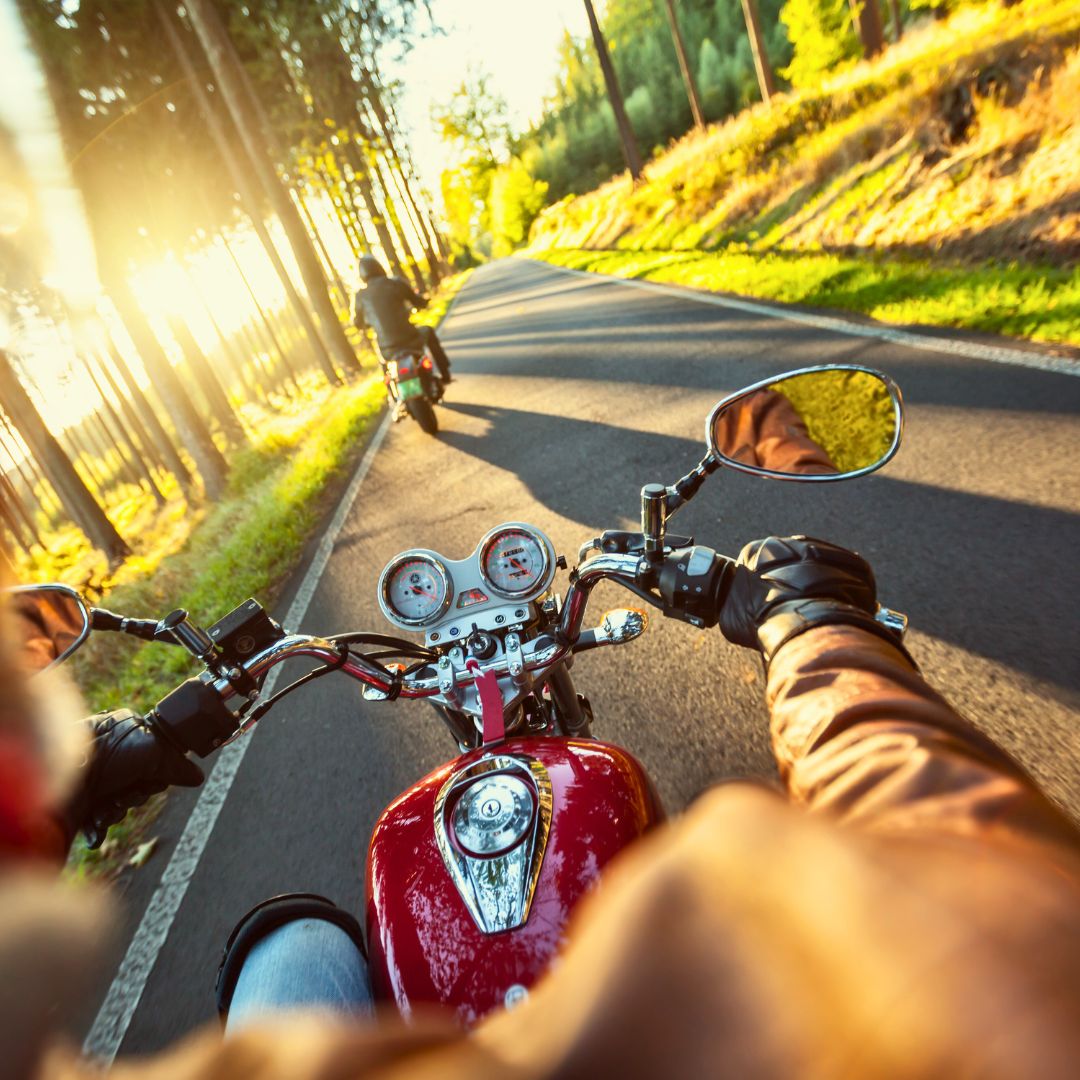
(422, 411)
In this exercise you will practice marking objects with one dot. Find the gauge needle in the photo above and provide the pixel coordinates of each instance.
(422, 592)
(516, 565)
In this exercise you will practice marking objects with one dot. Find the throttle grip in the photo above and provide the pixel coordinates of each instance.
(693, 582)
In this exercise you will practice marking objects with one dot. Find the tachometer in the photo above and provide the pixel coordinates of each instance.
(515, 561)
(415, 589)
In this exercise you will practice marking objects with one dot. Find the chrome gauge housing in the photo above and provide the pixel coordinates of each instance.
(415, 589)
(516, 561)
(492, 589)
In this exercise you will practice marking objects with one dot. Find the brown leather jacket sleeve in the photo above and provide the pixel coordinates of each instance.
(859, 733)
(766, 430)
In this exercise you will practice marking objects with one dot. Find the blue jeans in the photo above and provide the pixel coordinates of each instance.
(306, 964)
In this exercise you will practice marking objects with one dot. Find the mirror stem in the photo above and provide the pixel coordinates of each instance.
(682, 491)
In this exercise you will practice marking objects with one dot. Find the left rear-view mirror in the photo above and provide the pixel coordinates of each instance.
(828, 423)
(52, 621)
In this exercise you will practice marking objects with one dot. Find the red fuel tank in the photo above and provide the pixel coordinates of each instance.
(473, 871)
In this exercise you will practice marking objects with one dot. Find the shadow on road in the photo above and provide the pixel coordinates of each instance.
(714, 347)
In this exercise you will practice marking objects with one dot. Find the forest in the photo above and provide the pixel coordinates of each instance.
(506, 177)
(171, 291)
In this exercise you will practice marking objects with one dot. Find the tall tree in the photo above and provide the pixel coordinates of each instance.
(78, 500)
(238, 176)
(762, 67)
(190, 426)
(867, 16)
(611, 81)
(161, 438)
(262, 150)
(684, 65)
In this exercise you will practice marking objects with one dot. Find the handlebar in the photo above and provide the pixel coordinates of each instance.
(542, 652)
(197, 715)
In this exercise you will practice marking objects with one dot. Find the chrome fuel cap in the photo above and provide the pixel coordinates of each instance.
(493, 814)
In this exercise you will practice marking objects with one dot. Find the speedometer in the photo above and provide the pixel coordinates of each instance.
(415, 589)
(515, 561)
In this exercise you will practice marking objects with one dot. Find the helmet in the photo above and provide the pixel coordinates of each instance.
(370, 268)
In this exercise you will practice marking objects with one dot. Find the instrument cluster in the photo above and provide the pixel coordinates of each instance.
(513, 565)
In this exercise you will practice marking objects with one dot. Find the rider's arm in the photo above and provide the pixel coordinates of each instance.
(412, 298)
(858, 733)
(358, 315)
(856, 730)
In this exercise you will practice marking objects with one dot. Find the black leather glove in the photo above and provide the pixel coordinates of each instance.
(783, 586)
(128, 762)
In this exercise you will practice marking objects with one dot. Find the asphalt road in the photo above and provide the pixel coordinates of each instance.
(570, 394)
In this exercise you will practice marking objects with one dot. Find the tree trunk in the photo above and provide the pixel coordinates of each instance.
(39, 491)
(399, 231)
(897, 30)
(244, 189)
(107, 439)
(162, 440)
(622, 121)
(228, 355)
(18, 519)
(353, 238)
(684, 65)
(374, 101)
(77, 499)
(133, 424)
(192, 430)
(766, 79)
(367, 193)
(213, 392)
(19, 510)
(328, 263)
(286, 360)
(76, 448)
(436, 232)
(255, 134)
(867, 16)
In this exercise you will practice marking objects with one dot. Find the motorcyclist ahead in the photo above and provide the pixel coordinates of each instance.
(385, 305)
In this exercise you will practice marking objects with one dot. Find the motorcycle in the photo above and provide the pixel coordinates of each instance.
(414, 387)
(473, 871)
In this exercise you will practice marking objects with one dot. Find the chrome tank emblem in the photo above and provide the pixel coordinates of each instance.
(492, 820)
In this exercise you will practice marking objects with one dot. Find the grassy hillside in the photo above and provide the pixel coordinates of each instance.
(937, 184)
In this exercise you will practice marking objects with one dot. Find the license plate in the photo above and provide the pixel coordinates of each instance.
(410, 388)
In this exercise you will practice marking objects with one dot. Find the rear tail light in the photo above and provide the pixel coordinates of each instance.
(426, 363)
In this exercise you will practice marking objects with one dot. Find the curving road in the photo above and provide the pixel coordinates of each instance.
(571, 393)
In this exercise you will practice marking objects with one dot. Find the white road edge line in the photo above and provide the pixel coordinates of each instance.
(118, 1008)
(998, 354)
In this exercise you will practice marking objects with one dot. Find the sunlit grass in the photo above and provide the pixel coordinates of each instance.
(855, 195)
(1024, 301)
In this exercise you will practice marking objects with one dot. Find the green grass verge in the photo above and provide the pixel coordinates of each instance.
(1040, 303)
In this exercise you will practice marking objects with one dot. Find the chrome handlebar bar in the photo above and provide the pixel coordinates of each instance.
(539, 653)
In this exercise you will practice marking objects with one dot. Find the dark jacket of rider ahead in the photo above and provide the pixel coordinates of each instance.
(385, 305)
